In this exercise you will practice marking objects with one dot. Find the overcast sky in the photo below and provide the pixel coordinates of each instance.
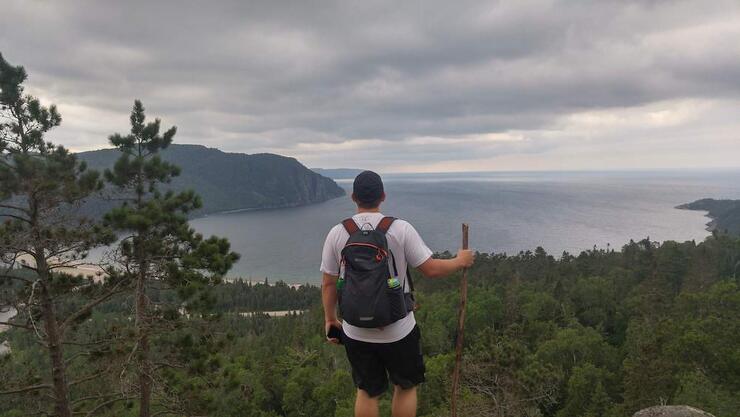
(399, 85)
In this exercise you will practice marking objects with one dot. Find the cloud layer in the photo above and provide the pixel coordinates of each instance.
(398, 86)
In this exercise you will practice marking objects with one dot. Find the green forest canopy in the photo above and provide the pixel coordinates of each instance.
(604, 333)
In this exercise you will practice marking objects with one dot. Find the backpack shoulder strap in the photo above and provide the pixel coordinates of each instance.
(350, 226)
(408, 278)
(385, 224)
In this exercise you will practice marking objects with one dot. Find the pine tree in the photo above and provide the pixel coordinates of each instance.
(158, 249)
(40, 186)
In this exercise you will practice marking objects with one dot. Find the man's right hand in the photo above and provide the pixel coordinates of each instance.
(327, 326)
(465, 258)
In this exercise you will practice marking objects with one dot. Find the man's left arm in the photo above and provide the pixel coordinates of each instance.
(330, 269)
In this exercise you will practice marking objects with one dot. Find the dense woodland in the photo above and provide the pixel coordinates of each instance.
(599, 334)
(604, 333)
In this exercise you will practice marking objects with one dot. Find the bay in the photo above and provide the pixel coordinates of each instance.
(507, 212)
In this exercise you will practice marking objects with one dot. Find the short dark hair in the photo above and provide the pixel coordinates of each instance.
(368, 189)
(368, 205)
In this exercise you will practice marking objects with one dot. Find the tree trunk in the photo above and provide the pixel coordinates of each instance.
(58, 369)
(142, 319)
(145, 367)
(54, 336)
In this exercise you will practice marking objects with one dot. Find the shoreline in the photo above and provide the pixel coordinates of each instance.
(715, 210)
(252, 209)
(272, 313)
(711, 225)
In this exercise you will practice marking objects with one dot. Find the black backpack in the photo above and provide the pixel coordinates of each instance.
(366, 297)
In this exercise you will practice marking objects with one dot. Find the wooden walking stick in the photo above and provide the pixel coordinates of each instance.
(460, 326)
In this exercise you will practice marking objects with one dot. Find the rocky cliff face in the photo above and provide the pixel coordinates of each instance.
(672, 411)
(235, 181)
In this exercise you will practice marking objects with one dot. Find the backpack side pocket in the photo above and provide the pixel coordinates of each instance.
(396, 303)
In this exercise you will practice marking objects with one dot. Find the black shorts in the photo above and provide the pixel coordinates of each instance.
(373, 363)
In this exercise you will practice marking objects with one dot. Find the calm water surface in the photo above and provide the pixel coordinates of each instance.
(507, 212)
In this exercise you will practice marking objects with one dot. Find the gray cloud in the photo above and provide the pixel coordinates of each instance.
(393, 85)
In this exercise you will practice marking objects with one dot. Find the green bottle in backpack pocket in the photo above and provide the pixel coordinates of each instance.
(396, 299)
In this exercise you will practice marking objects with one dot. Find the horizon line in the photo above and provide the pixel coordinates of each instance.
(493, 171)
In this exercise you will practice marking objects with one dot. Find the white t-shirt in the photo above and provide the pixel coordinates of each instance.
(407, 248)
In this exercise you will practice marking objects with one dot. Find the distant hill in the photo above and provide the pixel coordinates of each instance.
(234, 181)
(725, 214)
(338, 173)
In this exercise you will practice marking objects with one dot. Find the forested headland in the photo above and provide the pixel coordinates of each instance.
(230, 181)
(599, 334)
(725, 214)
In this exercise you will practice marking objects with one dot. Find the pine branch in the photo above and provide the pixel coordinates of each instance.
(165, 412)
(160, 365)
(26, 389)
(69, 360)
(11, 207)
(21, 326)
(87, 308)
(17, 252)
(92, 397)
(105, 404)
(69, 264)
(13, 216)
(6, 276)
(90, 377)
(96, 342)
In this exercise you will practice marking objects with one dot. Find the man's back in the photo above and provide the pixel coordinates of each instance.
(407, 248)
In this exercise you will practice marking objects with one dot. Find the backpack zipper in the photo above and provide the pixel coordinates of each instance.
(379, 249)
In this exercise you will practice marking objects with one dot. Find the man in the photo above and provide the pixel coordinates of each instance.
(394, 351)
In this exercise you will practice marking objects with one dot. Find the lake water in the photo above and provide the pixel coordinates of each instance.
(507, 212)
